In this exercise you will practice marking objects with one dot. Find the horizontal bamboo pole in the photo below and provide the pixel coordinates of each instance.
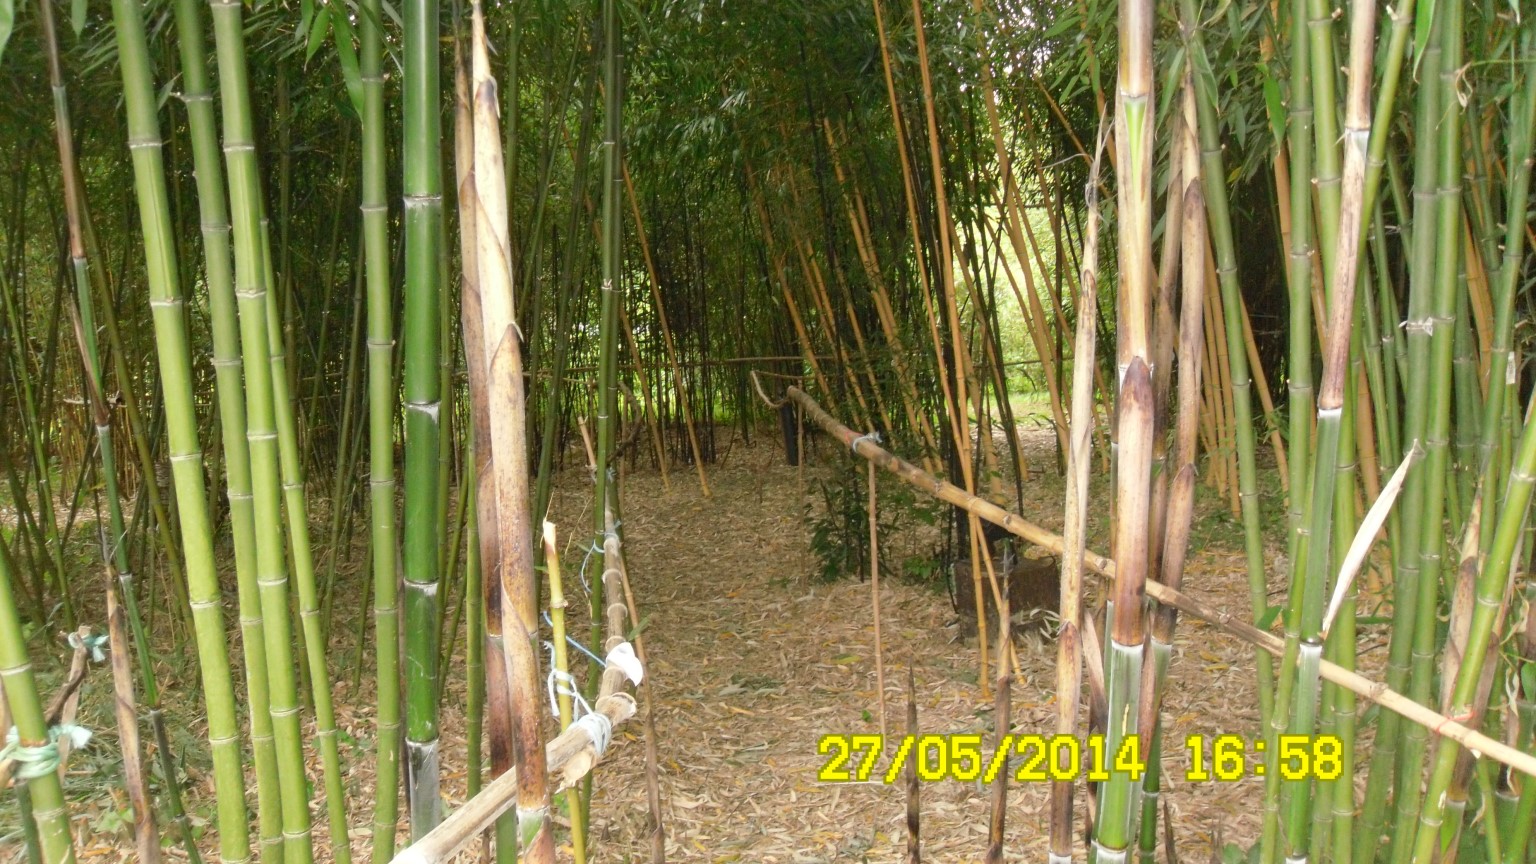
(1476, 742)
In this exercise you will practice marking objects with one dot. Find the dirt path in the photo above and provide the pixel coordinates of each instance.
(753, 663)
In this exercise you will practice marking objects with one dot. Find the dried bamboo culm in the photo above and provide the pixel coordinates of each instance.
(504, 397)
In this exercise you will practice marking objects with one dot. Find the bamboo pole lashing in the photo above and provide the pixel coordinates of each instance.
(570, 756)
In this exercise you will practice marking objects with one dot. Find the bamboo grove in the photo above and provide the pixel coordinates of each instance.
(308, 305)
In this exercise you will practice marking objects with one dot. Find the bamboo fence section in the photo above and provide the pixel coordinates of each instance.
(569, 757)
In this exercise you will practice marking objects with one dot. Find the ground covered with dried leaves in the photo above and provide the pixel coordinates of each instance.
(753, 658)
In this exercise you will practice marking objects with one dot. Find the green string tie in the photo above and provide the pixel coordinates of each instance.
(95, 643)
(34, 762)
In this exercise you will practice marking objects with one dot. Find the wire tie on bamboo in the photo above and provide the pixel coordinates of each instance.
(581, 572)
(872, 436)
(571, 640)
(43, 759)
(594, 549)
(94, 643)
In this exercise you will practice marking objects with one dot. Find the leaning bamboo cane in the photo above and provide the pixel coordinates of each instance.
(666, 335)
(1069, 662)
(858, 221)
(1032, 311)
(114, 549)
(957, 404)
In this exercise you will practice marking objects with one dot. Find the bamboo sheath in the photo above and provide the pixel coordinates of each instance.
(1358, 684)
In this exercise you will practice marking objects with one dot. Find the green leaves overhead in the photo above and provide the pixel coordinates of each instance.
(318, 23)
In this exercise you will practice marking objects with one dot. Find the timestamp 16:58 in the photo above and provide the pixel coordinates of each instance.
(1299, 757)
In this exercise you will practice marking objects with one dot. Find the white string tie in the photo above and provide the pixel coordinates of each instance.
(599, 728)
(560, 683)
(872, 436)
(623, 656)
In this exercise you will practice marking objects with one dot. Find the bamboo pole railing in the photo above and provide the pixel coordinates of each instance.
(1376, 691)
(569, 757)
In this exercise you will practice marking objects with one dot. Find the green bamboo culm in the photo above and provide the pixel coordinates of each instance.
(114, 546)
(1523, 120)
(381, 430)
(422, 188)
(251, 290)
(229, 382)
(175, 364)
(1213, 184)
(605, 489)
(297, 509)
(1491, 585)
(42, 784)
(1437, 242)
(1497, 571)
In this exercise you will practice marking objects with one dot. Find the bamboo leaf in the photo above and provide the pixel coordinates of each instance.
(1062, 25)
(7, 22)
(319, 28)
(1269, 617)
(1366, 536)
(1170, 81)
(1273, 104)
(351, 72)
(1423, 17)
(77, 16)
